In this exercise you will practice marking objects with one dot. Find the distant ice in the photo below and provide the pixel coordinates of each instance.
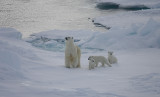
(125, 3)
(136, 36)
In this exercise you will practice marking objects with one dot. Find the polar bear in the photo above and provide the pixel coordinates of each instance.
(100, 59)
(72, 54)
(111, 58)
(92, 63)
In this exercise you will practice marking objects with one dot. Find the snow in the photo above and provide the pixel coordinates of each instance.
(34, 67)
(44, 74)
(10, 33)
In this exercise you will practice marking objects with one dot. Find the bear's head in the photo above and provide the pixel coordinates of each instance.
(110, 53)
(90, 57)
(69, 39)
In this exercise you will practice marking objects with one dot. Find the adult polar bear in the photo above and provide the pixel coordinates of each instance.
(72, 54)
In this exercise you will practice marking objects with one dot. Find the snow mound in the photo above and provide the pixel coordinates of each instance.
(10, 33)
(12, 51)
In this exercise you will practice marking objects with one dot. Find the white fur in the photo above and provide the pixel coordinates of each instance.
(100, 59)
(111, 58)
(91, 63)
(72, 54)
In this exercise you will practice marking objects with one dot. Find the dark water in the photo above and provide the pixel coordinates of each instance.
(111, 5)
(32, 16)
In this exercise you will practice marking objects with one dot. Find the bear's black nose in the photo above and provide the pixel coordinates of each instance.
(66, 38)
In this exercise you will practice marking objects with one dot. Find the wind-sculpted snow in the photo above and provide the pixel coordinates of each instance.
(9, 65)
(149, 83)
(10, 61)
(26, 71)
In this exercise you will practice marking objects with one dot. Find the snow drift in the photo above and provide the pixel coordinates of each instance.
(9, 65)
(9, 60)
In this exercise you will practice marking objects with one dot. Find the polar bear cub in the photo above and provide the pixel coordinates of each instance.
(100, 59)
(92, 63)
(72, 53)
(111, 58)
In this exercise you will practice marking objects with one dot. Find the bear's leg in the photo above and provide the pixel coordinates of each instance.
(67, 63)
(92, 66)
(75, 62)
(72, 65)
(107, 62)
(78, 66)
(102, 64)
(79, 57)
(96, 64)
(110, 59)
